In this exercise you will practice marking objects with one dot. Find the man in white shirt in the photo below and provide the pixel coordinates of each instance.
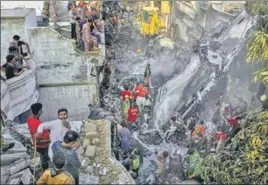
(58, 128)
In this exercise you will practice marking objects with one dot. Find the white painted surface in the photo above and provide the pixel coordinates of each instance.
(18, 93)
(57, 62)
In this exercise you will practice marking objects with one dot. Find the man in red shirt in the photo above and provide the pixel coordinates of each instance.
(133, 114)
(42, 143)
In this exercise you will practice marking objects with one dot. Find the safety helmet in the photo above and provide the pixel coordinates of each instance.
(263, 98)
(139, 51)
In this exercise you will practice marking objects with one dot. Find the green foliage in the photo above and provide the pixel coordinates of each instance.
(246, 161)
(258, 47)
(257, 7)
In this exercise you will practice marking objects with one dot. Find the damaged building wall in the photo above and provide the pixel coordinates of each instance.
(64, 77)
(194, 18)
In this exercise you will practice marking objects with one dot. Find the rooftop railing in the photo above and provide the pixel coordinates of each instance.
(18, 93)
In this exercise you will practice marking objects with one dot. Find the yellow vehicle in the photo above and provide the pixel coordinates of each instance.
(149, 21)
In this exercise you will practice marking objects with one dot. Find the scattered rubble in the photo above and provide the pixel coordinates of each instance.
(16, 164)
(98, 166)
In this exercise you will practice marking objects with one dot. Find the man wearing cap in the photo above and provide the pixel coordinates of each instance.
(66, 146)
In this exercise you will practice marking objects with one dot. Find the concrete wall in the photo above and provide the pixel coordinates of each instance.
(63, 76)
(18, 93)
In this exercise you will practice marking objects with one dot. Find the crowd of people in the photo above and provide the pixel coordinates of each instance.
(86, 24)
(16, 59)
(135, 103)
(56, 142)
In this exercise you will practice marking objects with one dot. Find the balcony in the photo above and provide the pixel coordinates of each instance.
(18, 93)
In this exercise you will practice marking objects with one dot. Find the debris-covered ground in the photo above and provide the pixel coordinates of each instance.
(186, 83)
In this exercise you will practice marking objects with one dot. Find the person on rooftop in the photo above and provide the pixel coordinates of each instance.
(18, 43)
(10, 68)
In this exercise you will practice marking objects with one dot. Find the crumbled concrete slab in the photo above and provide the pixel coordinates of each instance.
(7, 159)
(90, 152)
(86, 143)
(88, 179)
(26, 177)
(4, 174)
(95, 141)
(91, 135)
(89, 127)
(19, 165)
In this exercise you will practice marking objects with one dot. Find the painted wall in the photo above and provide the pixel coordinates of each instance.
(63, 76)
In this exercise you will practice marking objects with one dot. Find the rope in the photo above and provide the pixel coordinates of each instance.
(34, 180)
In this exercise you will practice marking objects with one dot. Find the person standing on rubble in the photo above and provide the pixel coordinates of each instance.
(195, 165)
(133, 114)
(57, 128)
(125, 137)
(66, 147)
(199, 130)
(136, 160)
(162, 162)
(42, 143)
(140, 92)
(147, 76)
(126, 97)
(57, 174)
(73, 14)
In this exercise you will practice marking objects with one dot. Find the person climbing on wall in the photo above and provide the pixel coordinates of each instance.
(43, 141)
(133, 114)
(136, 160)
(199, 130)
(57, 174)
(125, 137)
(140, 92)
(195, 165)
(66, 147)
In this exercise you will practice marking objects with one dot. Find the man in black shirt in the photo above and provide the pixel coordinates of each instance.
(9, 67)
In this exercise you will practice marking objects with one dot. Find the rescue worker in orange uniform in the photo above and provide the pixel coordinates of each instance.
(199, 130)
(140, 91)
(133, 114)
